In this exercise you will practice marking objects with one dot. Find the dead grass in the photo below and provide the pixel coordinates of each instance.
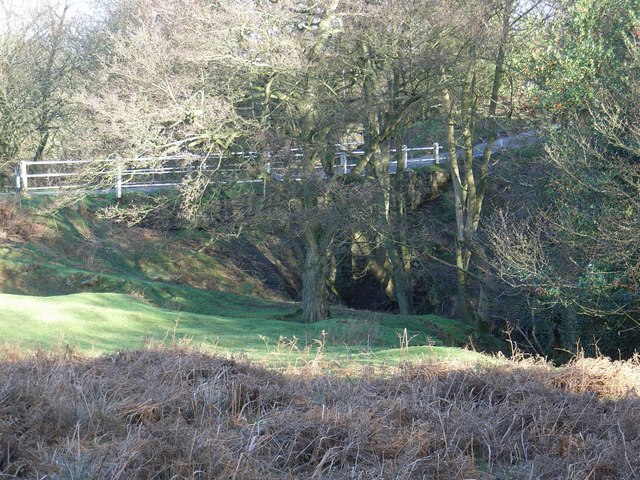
(596, 374)
(15, 223)
(179, 413)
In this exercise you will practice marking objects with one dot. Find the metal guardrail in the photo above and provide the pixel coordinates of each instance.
(162, 172)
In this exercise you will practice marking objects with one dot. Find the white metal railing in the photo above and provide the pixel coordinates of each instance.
(170, 171)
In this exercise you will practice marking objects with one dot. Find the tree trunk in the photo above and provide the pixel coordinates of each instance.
(399, 252)
(485, 318)
(403, 286)
(466, 310)
(460, 197)
(42, 144)
(315, 306)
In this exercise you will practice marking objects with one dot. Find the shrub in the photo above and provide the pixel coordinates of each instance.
(15, 223)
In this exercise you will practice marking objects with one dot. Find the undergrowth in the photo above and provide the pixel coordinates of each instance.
(14, 223)
(179, 413)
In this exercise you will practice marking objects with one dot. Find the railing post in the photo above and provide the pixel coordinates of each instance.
(405, 156)
(17, 174)
(23, 176)
(118, 179)
(343, 162)
(267, 172)
(436, 153)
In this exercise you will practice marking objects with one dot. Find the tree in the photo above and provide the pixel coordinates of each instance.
(44, 56)
(393, 75)
(469, 191)
(174, 81)
(302, 105)
(169, 81)
(576, 252)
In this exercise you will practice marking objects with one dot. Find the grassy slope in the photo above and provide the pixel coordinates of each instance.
(74, 246)
(102, 287)
(104, 322)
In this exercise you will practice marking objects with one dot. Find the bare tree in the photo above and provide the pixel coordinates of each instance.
(394, 74)
(44, 56)
(189, 77)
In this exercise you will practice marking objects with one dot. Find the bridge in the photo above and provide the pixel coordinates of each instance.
(149, 173)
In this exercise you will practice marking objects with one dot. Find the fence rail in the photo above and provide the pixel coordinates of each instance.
(51, 176)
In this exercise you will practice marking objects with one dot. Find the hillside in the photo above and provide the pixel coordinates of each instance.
(133, 354)
(69, 276)
(49, 250)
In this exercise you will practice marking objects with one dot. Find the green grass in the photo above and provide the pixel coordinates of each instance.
(429, 353)
(78, 246)
(100, 287)
(444, 169)
(104, 322)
